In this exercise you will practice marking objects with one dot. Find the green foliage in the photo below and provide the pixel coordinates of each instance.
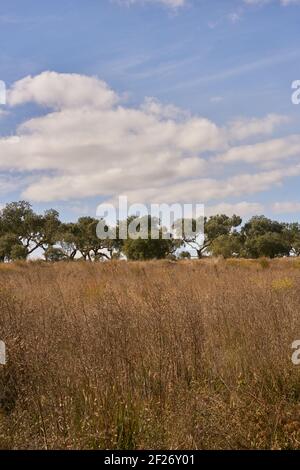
(81, 238)
(270, 245)
(214, 227)
(22, 232)
(227, 246)
(143, 248)
(146, 249)
(54, 254)
(9, 243)
(19, 252)
(185, 255)
(261, 225)
(292, 236)
(265, 238)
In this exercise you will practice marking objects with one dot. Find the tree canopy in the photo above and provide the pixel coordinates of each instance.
(24, 232)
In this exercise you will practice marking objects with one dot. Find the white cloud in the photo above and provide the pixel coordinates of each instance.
(241, 208)
(93, 145)
(243, 128)
(205, 190)
(286, 207)
(269, 152)
(88, 144)
(153, 106)
(62, 91)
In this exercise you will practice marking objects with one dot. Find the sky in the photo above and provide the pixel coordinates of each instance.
(164, 101)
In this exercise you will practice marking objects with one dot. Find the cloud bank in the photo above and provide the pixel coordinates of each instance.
(87, 143)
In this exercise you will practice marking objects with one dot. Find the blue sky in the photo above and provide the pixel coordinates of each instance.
(192, 104)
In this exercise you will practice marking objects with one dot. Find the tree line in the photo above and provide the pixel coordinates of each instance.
(24, 232)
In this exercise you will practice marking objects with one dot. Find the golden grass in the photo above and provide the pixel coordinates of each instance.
(283, 284)
(161, 355)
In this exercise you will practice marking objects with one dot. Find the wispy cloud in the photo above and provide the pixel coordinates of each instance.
(174, 4)
(264, 2)
(280, 57)
(234, 16)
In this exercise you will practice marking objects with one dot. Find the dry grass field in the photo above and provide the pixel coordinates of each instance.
(160, 355)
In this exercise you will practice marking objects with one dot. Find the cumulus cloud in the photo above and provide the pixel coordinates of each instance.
(286, 207)
(86, 143)
(62, 91)
(243, 128)
(94, 145)
(265, 153)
